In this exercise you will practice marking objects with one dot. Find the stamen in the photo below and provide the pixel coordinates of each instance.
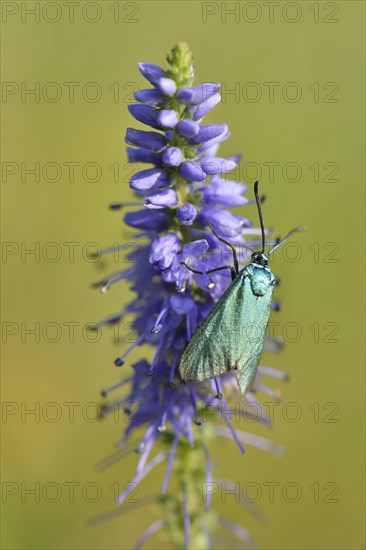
(240, 532)
(148, 442)
(106, 391)
(116, 512)
(111, 282)
(117, 455)
(170, 464)
(197, 421)
(109, 250)
(158, 326)
(111, 278)
(218, 391)
(274, 344)
(186, 518)
(208, 478)
(156, 357)
(149, 532)
(162, 427)
(119, 205)
(188, 327)
(173, 368)
(274, 372)
(113, 319)
(120, 360)
(275, 394)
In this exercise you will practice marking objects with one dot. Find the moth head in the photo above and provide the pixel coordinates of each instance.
(260, 258)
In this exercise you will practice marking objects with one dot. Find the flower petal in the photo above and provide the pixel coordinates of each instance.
(151, 72)
(163, 250)
(163, 199)
(208, 132)
(200, 110)
(143, 155)
(149, 97)
(198, 94)
(188, 128)
(172, 156)
(147, 140)
(225, 192)
(217, 166)
(192, 171)
(186, 214)
(147, 219)
(148, 179)
(145, 114)
(167, 86)
(167, 118)
(223, 222)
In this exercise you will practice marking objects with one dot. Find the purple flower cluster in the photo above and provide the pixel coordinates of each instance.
(184, 192)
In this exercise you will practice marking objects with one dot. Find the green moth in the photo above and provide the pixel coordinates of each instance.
(231, 337)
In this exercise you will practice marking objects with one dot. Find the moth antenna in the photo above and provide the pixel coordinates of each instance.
(259, 206)
(292, 232)
(233, 248)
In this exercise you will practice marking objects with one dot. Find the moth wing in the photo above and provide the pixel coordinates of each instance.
(254, 326)
(231, 337)
(247, 369)
(214, 347)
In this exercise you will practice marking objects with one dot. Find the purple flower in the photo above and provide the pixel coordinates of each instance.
(217, 166)
(212, 133)
(147, 219)
(148, 140)
(163, 250)
(224, 192)
(167, 86)
(223, 222)
(149, 97)
(143, 155)
(151, 72)
(186, 214)
(184, 193)
(167, 118)
(149, 179)
(188, 128)
(163, 199)
(192, 171)
(201, 110)
(173, 156)
(147, 114)
(198, 94)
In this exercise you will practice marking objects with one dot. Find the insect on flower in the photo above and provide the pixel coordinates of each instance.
(232, 335)
(183, 194)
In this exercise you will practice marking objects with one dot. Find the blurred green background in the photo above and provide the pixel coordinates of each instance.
(311, 52)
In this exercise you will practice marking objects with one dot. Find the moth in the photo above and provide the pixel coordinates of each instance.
(232, 335)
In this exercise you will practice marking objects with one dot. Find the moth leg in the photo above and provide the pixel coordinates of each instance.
(232, 270)
(235, 255)
(193, 270)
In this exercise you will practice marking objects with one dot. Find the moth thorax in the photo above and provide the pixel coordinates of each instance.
(261, 279)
